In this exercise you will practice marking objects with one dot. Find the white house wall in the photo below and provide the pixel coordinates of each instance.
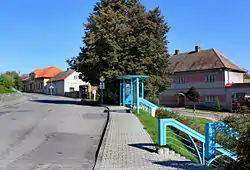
(233, 77)
(59, 87)
(70, 82)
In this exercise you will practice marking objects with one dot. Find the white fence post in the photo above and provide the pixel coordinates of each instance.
(153, 109)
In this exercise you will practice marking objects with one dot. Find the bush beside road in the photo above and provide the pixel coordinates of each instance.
(5, 90)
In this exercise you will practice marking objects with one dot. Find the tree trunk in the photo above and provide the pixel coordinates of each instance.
(194, 111)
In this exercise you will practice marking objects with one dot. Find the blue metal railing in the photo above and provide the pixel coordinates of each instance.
(188, 144)
(148, 106)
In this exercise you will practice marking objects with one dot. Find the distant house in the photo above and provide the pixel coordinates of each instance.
(37, 80)
(210, 72)
(63, 82)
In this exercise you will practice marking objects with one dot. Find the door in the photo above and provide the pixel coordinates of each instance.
(181, 100)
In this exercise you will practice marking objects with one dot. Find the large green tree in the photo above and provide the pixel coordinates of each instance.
(122, 38)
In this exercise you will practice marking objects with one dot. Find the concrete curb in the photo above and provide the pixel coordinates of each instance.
(101, 146)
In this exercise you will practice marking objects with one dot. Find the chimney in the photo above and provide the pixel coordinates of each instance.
(177, 52)
(197, 48)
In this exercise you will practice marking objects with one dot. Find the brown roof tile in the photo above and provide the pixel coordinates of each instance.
(202, 60)
(246, 80)
(62, 75)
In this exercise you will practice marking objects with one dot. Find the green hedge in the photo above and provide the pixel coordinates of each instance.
(5, 90)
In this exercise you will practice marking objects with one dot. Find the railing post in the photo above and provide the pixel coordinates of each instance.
(137, 95)
(121, 93)
(161, 133)
(132, 94)
(142, 88)
(210, 141)
(203, 153)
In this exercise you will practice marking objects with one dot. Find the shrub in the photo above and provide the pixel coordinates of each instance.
(159, 114)
(5, 90)
(6, 81)
(239, 123)
(243, 150)
(217, 104)
(238, 108)
(244, 108)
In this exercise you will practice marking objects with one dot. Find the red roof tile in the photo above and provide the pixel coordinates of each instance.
(47, 72)
(25, 78)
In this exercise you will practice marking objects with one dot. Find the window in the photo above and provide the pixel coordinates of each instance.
(210, 78)
(37, 85)
(75, 77)
(180, 80)
(71, 89)
(239, 96)
(210, 99)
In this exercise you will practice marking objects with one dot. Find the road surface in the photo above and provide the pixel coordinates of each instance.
(47, 132)
(206, 115)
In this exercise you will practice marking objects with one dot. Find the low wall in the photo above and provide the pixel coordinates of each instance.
(74, 94)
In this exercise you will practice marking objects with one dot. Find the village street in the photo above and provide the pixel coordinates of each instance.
(47, 131)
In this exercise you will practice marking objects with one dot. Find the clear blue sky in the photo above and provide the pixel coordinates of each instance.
(41, 33)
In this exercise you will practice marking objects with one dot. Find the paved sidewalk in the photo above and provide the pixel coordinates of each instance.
(128, 146)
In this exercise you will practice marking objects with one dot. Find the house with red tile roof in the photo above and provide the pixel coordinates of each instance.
(65, 81)
(37, 80)
(213, 74)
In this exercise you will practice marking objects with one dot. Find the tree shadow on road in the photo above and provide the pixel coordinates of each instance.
(67, 102)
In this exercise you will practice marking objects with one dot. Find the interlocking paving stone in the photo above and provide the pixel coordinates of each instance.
(128, 147)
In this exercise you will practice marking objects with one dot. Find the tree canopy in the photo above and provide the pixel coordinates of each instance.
(122, 38)
(247, 75)
(6, 81)
(11, 79)
(193, 94)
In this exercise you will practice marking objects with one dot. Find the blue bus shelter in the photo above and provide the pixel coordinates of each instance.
(131, 89)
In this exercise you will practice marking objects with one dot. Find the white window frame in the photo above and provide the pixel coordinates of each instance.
(210, 78)
(71, 88)
(210, 99)
(180, 80)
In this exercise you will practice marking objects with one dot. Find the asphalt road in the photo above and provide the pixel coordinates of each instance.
(206, 115)
(49, 133)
